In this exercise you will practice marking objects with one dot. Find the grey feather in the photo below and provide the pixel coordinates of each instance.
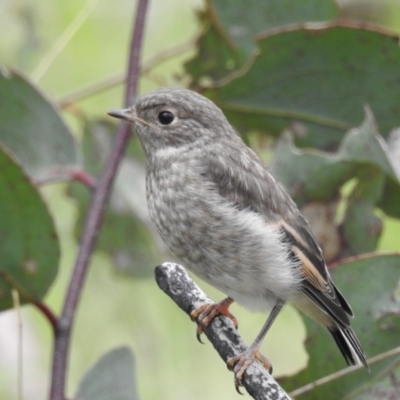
(218, 208)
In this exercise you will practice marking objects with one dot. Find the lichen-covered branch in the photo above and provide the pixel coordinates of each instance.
(176, 283)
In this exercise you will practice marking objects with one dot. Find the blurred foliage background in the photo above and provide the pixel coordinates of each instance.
(122, 304)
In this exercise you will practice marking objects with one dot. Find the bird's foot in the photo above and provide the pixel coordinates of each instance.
(206, 313)
(241, 362)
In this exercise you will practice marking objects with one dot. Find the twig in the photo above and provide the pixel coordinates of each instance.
(17, 306)
(117, 79)
(83, 177)
(343, 372)
(48, 313)
(134, 66)
(176, 283)
(95, 217)
(24, 294)
(363, 256)
(63, 40)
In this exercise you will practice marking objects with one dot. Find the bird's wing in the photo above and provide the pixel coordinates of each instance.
(245, 182)
(317, 284)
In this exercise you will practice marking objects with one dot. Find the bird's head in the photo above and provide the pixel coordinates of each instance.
(174, 117)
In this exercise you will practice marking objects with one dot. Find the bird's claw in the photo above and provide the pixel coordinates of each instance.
(237, 386)
(239, 364)
(204, 314)
(199, 331)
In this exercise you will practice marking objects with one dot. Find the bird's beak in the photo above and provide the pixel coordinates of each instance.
(121, 113)
(127, 115)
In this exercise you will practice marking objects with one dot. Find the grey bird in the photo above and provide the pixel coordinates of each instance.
(219, 210)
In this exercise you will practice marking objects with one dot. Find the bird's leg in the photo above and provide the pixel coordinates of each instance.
(243, 360)
(207, 312)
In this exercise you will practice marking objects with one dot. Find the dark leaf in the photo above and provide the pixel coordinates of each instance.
(29, 247)
(111, 378)
(33, 130)
(370, 284)
(319, 78)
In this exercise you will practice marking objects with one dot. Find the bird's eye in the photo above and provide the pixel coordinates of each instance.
(165, 117)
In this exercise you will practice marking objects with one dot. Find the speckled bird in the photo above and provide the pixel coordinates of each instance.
(219, 209)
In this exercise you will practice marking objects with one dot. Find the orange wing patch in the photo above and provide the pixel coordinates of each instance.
(311, 274)
(295, 234)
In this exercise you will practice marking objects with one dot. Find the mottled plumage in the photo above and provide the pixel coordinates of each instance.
(226, 217)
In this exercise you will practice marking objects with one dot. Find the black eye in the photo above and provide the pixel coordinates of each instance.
(165, 117)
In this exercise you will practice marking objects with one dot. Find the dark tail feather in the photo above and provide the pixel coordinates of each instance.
(348, 344)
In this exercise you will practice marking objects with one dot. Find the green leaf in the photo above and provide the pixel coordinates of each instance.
(29, 247)
(33, 130)
(390, 200)
(370, 284)
(361, 227)
(312, 174)
(308, 174)
(241, 22)
(365, 145)
(128, 235)
(385, 13)
(383, 389)
(231, 28)
(214, 60)
(319, 78)
(111, 378)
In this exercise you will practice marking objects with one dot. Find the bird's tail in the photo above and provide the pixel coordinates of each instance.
(349, 345)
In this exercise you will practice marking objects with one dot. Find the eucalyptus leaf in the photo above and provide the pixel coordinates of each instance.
(241, 21)
(33, 130)
(384, 389)
(111, 378)
(319, 78)
(370, 285)
(231, 29)
(29, 247)
(312, 174)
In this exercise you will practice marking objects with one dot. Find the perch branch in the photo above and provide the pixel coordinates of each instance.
(176, 283)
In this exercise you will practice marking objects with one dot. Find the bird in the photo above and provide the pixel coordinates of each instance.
(219, 209)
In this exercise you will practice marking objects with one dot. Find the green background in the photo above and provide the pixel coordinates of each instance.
(116, 310)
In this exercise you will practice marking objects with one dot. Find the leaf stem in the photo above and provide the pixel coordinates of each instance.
(17, 307)
(343, 372)
(114, 80)
(48, 313)
(94, 217)
(63, 40)
(363, 256)
(83, 177)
